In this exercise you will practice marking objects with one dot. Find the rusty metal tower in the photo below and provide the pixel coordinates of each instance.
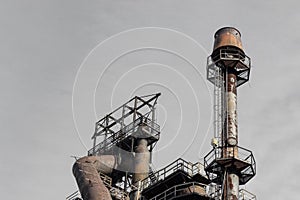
(118, 166)
(228, 165)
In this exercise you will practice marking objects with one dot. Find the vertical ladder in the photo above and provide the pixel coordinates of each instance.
(219, 111)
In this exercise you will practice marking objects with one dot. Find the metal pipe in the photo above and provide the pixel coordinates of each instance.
(86, 171)
(141, 166)
(232, 186)
(232, 179)
(141, 161)
(232, 137)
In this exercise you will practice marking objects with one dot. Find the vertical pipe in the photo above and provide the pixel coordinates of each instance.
(232, 138)
(142, 159)
(232, 179)
(153, 112)
(232, 186)
(141, 165)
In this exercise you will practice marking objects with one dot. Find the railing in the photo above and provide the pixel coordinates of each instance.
(215, 160)
(178, 165)
(215, 192)
(118, 193)
(105, 179)
(231, 54)
(180, 190)
(241, 62)
(246, 195)
(217, 153)
(74, 196)
(103, 146)
(136, 106)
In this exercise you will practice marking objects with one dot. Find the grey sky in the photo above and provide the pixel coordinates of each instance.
(43, 43)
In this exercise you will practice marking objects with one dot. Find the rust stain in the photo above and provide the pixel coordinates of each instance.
(228, 36)
(230, 183)
(234, 197)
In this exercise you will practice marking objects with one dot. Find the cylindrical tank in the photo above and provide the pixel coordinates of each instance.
(227, 36)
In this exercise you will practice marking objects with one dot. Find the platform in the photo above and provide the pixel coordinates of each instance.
(244, 164)
(172, 176)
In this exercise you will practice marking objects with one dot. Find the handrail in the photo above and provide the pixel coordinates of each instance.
(113, 191)
(179, 164)
(246, 195)
(74, 195)
(216, 153)
(230, 54)
(125, 132)
(131, 107)
(178, 190)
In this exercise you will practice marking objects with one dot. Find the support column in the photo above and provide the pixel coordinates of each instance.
(141, 165)
(142, 159)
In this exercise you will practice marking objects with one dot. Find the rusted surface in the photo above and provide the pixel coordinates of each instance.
(228, 36)
(232, 180)
(86, 171)
(104, 163)
(88, 179)
(232, 187)
(193, 189)
(229, 59)
(232, 139)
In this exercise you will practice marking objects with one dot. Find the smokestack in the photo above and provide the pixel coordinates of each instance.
(226, 39)
(228, 67)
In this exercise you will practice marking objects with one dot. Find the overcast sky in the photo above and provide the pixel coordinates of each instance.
(50, 47)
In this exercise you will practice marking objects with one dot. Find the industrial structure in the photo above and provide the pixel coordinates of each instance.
(118, 166)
